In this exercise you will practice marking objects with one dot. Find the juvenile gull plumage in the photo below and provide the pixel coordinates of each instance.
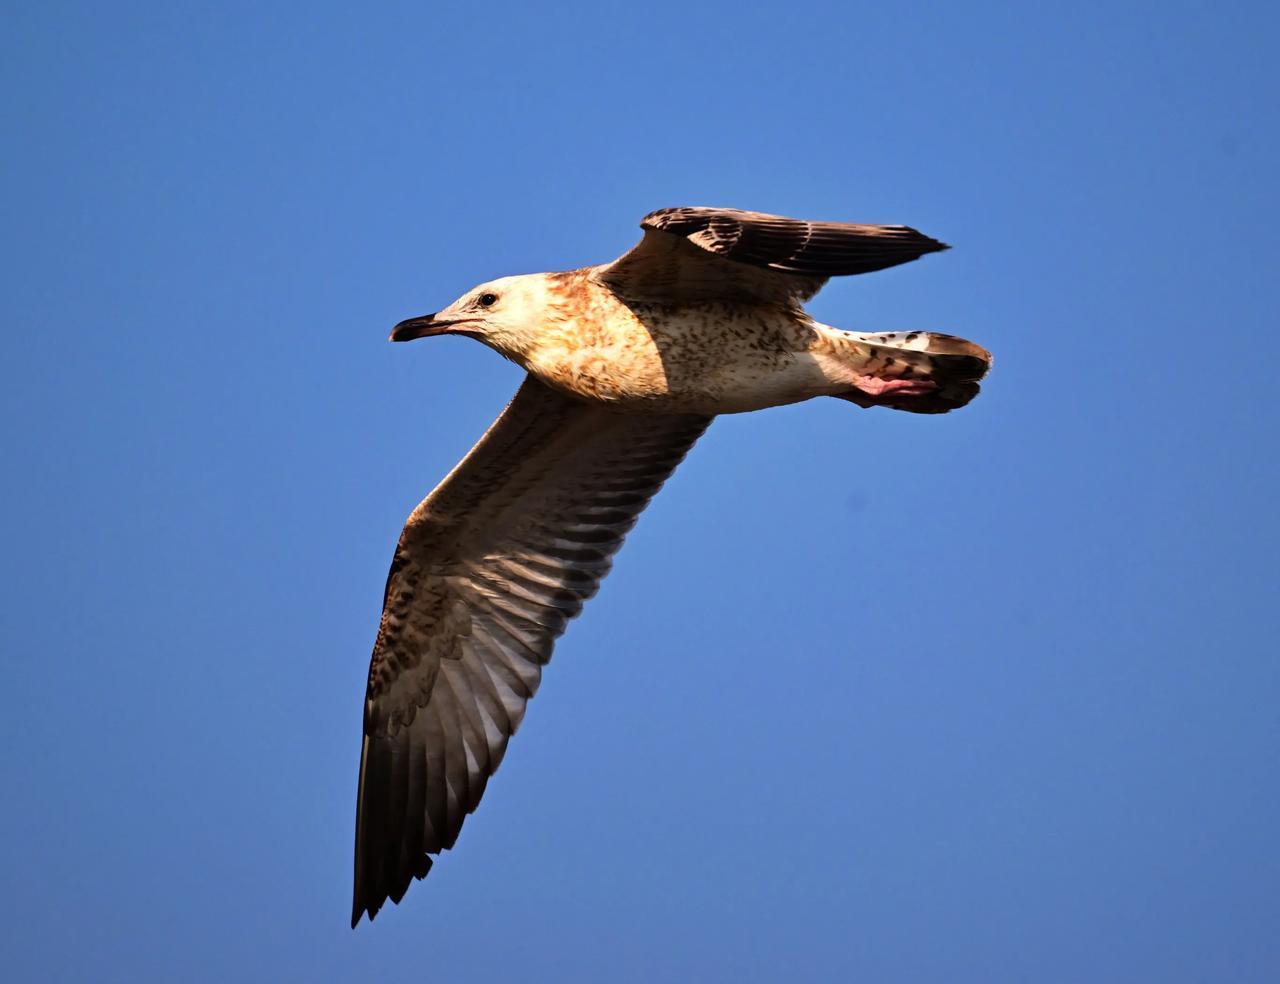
(627, 364)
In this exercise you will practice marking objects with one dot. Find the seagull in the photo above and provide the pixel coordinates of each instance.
(627, 363)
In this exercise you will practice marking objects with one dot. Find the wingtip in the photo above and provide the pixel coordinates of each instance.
(926, 243)
(376, 897)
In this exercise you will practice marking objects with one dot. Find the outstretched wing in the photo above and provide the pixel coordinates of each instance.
(695, 254)
(488, 570)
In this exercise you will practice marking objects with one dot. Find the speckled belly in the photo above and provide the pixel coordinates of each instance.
(712, 358)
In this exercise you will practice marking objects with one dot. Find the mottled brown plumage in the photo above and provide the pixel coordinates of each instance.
(627, 364)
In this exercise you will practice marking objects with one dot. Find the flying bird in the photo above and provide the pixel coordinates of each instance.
(627, 363)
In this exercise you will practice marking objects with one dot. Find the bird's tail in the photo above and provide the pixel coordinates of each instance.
(918, 371)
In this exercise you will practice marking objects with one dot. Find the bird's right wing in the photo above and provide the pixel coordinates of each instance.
(488, 570)
(715, 254)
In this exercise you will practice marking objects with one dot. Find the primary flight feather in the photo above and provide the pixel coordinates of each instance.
(627, 362)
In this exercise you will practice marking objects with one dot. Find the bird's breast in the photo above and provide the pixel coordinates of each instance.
(704, 358)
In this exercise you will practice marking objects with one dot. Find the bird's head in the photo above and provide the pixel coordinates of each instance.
(506, 314)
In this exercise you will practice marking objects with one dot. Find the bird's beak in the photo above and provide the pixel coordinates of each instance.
(421, 327)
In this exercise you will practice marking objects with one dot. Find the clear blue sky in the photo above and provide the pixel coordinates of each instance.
(986, 697)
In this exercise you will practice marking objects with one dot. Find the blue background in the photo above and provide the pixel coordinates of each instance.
(984, 697)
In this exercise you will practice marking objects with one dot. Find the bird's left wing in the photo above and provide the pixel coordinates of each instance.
(718, 254)
(488, 570)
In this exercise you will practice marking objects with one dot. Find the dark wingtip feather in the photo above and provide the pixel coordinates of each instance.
(912, 239)
(794, 246)
(374, 899)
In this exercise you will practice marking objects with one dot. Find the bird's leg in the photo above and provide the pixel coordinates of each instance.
(919, 371)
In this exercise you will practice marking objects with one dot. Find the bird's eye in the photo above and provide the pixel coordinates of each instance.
(488, 300)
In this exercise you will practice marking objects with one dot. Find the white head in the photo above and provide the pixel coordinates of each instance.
(506, 314)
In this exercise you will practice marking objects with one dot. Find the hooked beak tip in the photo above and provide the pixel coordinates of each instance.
(421, 327)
